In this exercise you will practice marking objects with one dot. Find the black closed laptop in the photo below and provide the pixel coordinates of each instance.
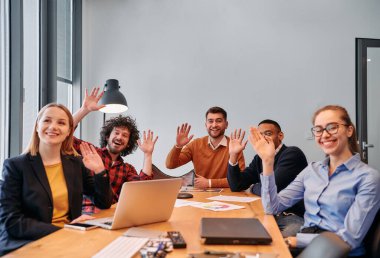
(234, 231)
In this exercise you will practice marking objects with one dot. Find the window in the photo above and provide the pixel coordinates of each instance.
(4, 80)
(45, 36)
(65, 53)
(31, 64)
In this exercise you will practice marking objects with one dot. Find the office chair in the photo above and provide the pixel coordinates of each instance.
(188, 178)
(372, 239)
(158, 174)
(326, 245)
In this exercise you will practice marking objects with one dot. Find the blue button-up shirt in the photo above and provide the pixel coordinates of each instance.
(344, 203)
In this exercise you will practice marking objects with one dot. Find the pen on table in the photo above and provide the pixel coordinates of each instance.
(216, 252)
(159, 248)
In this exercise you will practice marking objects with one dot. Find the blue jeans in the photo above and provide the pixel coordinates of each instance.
(289, 223)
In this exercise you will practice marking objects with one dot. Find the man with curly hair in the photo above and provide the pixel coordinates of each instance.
(119, 137)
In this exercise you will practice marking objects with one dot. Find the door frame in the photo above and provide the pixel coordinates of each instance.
(361, 92)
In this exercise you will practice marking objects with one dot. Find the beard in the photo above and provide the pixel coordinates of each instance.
(114, 150)
(215, 134)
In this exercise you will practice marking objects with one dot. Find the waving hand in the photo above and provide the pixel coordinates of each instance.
(183, 137)
(147, 145)
(90, 102)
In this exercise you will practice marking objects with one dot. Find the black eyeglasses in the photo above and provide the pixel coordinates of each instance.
(331, 128)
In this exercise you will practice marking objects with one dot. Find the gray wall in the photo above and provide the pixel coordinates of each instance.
(257, 59)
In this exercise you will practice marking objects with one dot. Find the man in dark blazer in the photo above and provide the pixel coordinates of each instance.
(289, 162)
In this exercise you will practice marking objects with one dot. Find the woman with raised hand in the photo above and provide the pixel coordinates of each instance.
(341, 193)
(42, 189)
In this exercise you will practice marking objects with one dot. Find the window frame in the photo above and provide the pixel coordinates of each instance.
(47, 65)
(16, 77)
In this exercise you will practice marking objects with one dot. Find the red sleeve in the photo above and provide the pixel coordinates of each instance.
(77, 142)
(144, 176)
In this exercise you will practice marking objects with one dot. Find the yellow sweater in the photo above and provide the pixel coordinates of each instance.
(209, 163)
(59, 192)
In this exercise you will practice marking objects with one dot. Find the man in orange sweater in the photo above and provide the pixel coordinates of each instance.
(209, 154)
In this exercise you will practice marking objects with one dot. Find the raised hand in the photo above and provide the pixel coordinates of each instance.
(147, 145)
(183, 137)
(91, 158)
(264, 147)
(236, 144)
(90, 102)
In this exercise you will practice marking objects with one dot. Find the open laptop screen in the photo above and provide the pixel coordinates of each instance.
(143, 202)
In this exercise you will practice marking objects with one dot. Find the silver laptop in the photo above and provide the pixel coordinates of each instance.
(142, 202)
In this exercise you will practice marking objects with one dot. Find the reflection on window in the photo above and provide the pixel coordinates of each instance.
(64, 53)
(64, 39)
(64, 94)
(4, 81)
(31, 68)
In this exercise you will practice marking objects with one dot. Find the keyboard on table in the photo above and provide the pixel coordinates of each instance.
(122, 247)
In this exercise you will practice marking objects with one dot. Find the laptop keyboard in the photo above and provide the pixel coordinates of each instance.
(122, 247)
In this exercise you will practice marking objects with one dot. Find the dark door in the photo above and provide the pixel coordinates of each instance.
(368, 99)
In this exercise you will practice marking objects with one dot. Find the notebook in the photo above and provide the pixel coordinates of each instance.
(234, 231)
(142, 202)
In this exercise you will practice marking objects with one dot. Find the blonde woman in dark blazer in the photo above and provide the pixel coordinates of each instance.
(42, 189)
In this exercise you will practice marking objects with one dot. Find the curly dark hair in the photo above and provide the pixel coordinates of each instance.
(121, 121)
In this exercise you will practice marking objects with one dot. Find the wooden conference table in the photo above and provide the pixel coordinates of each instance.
(76, 243)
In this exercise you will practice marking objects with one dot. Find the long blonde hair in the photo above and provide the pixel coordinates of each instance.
(67, 145)
(352, 141)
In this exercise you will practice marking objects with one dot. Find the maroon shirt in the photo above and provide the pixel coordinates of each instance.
(119, 172)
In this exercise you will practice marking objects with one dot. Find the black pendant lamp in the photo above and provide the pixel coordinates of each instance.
(113, 99)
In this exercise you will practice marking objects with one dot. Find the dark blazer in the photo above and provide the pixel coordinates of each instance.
(288, 163)
(26, 203)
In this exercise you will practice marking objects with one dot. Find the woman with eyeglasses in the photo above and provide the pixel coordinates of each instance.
(341, 193)
(42, 189)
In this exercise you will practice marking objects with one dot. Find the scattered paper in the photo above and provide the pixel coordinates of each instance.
(143, 232)
(182, 203)
(189, 189)
(217, 206)
(233, 198)
(259, 255)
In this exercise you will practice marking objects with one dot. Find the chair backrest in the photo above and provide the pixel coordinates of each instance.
(326, 245)
(372, 239)
(158, 174)
(188, 178)
(374, 251)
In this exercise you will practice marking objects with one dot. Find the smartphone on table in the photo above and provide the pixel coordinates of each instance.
(80, 226)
